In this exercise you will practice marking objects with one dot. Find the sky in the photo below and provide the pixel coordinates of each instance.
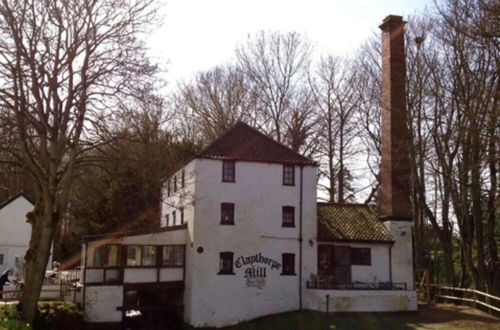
(197, 35)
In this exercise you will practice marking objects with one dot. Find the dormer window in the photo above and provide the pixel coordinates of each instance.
(228, 171)
(175, 183)
(288, 175)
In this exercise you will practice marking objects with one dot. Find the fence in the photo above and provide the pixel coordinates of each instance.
(64, 286)
(475, 298)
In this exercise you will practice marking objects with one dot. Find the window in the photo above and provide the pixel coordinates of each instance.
(288, 175)
(288, 262)
(361, 256)
(167, 216)
(182, 215)
(173, 255)
(183, 181)
(227, 213)
(288, 216)
(112, 256)
(178, 255)
(149, 255)
(1, 259)
(97, 257)
(141, 255)
(228, 171)
(133, 256)
(175, 183)
(173, 218)
(226, 263)
(168, 188)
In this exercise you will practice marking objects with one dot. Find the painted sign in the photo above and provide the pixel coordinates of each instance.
(256, 269)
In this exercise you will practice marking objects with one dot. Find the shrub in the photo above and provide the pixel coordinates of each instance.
(52, 315)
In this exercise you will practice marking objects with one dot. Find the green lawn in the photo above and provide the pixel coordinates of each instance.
(442, 317)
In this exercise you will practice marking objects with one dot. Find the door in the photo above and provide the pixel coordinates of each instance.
(342, 265)
(326, 260)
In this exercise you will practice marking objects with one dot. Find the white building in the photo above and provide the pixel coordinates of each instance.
(241, 234)
(15, 232)
(239, 238)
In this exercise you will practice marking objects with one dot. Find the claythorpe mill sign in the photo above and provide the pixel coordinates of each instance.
(256, 268)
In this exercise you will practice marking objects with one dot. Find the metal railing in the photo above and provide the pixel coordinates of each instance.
(330, 283)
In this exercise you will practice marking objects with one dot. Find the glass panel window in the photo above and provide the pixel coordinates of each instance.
(228, 171)
(97, 259)
(168, 255)
(361, 256)
(178, 255)
(226, 263)
(112, 256)
(288, 262)
(227, 213)
(288, 218)
(133, 255)
(149, 255)
(288, 175)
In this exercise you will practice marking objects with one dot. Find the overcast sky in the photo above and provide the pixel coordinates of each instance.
(199, 34)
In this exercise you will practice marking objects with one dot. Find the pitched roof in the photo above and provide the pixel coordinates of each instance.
(13, 198)
(243, 142)
(350, 222)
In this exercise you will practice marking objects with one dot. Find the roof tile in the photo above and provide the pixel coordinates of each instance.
(243, 142)
(350, 222)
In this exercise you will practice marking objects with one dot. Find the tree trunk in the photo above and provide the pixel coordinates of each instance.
(43, 223)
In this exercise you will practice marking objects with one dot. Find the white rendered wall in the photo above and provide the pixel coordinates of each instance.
(258, 195)
(15, 232)
(378, 271)
(101, 303)
(182, 198)
(361, 300)
(402, 252)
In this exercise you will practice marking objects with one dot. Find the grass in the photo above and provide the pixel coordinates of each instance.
(442, 317)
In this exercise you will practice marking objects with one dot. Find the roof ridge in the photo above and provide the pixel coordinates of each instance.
(225, 133)
(13, 198)
(343, 204)
(213, 149)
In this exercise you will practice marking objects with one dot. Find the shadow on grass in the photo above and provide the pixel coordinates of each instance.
(427, 315)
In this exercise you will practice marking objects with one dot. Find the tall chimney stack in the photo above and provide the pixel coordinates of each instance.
(395, 168)
(395, 208)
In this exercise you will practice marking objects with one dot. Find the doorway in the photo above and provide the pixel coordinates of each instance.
(152, 306)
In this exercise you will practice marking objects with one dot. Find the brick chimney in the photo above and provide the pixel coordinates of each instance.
(395, 168)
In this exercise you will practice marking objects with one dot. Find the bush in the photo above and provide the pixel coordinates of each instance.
(13, 325)
(59, 315)
(52, 315)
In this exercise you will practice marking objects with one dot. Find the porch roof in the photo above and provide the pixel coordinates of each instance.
(350, 222)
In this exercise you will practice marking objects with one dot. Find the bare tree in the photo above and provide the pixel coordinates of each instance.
(214, 101)
(276, 66)
(62, 63)
(336, 99)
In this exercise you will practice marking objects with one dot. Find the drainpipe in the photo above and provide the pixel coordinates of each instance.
(390, 263)
(84, 286)
(300, 235)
